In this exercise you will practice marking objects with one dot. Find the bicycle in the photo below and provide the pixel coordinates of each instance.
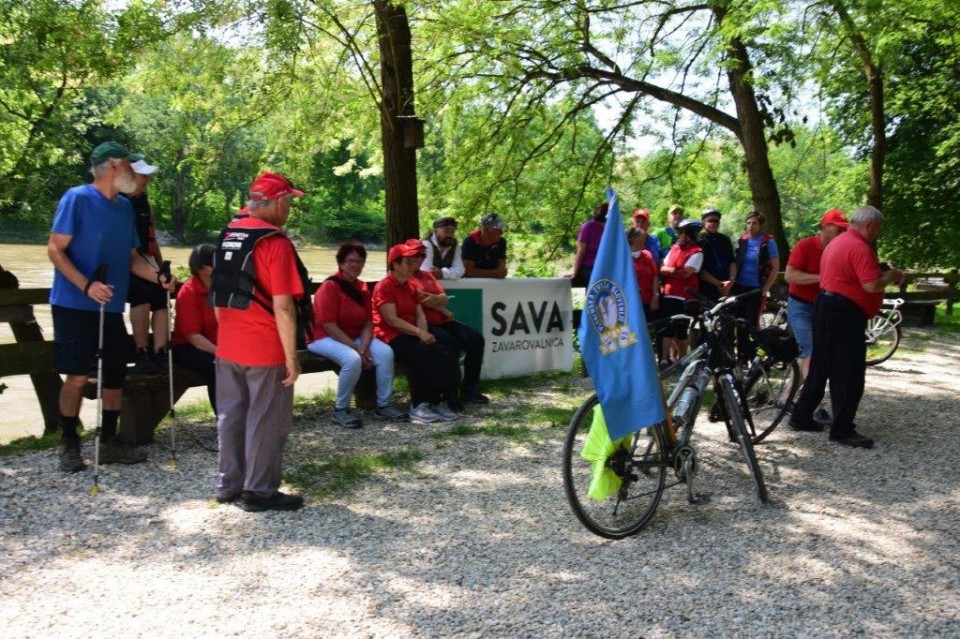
(636, 466)
(883, 332)
(772, 379)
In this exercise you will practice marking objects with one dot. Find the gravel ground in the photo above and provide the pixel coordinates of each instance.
(475, 538)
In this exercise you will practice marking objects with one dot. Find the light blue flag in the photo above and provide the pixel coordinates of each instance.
(613, 336)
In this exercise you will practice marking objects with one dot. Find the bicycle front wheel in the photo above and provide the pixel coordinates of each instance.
(769, 389)
(639, 466)
(738, 428)
(881, 346)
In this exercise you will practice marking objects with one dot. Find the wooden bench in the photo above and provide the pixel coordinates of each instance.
(146, 398)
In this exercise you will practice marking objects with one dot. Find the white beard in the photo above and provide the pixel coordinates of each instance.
(126, 184)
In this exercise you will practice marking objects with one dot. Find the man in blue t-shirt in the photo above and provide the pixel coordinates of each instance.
(94, 227)
(757, 265)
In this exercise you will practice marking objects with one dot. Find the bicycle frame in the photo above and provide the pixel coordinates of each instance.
(887, 319)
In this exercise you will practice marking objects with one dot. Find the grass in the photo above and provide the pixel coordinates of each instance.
(947, 323)
(29, 444)
(341, 473)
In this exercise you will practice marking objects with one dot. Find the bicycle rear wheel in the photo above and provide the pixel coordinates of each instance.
(641, 467)
(738, 427)
(769, 389)
(882, 346)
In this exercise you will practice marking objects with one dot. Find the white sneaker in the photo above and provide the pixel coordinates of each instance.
(421, 414)
(443, 411)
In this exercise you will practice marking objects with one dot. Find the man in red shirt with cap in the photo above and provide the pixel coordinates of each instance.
(256, 349)
(851, 292)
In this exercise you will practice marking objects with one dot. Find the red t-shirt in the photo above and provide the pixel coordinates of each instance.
(646, 269)
(194, 316)
(427, 283)
(332, 306)
(250, 337)
(805, 256)
(402, 296)
(848, 263)
(676, 286)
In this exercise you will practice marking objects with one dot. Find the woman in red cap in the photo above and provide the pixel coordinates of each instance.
(399, 320)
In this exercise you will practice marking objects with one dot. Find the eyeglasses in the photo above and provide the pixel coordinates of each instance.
(353, 261)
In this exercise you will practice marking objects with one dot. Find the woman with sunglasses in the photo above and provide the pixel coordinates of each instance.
(343, 333)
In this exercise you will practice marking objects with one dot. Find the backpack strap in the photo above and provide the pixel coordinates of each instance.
(348, 289)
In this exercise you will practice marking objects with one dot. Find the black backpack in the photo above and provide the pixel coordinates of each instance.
(235, 282)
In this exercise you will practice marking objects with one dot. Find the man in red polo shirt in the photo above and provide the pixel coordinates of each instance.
(257, 353)
(852, 285)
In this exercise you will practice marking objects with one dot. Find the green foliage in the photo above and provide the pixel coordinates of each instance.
(53, 56)
(814, 175)
(345, 199)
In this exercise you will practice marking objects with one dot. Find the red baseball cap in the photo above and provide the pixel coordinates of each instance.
(835, 217)
(641, 213)
(410, 248)
(272, 186)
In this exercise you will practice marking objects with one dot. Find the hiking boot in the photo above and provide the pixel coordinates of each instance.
(421, 414)
(854, 440)
(160, 359)
(822, 416)
(144, 363)
(812, 427)
(346, 418)
(443, 412)
(715, 415)
(472, 395)
(114, 451)
(391, 413)
(69, 454)
(253, 503)
(228, 499)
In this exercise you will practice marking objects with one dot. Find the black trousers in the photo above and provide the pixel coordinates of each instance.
(432, 371)
(190, 357)
(748, 309)
(839, 356)
(458, 338)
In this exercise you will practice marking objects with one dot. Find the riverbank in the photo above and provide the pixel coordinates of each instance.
(462, 529)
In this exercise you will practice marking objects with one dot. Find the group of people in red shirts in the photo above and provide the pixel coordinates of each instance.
(247, 351)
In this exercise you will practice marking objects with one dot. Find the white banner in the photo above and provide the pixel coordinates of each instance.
(526, 322)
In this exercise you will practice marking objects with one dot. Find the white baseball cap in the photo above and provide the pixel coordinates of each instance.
(141, 167)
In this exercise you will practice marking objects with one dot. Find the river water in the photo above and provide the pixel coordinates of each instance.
(18, 403)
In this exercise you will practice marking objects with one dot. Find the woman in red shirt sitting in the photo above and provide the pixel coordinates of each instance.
(194, 340)
(399, 320)
(343, 333)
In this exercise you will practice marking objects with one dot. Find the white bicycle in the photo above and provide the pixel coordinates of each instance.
(883, 332)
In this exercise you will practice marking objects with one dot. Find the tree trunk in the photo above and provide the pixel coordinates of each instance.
(878, 121)
(752, 135)
(396, 82)
(763, 186)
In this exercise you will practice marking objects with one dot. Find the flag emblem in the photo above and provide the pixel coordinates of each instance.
(607, 309)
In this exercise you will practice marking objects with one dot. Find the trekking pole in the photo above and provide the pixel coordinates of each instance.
(165, 270)
(99, 276)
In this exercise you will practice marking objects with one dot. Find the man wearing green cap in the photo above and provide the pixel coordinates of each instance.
(93, 229)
